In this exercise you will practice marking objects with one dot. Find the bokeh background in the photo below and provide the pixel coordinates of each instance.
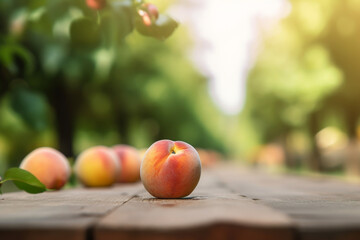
(273, 84)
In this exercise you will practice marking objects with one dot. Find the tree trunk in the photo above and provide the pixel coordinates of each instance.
(352, 163)
(290, 161)
(122, 125)
(352, 157)
(63, 104)
(315, 160)
(4, 84)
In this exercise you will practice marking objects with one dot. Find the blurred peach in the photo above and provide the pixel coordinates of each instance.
(208, 158)
(149, 13)
(96, 4)
(130, 160)
(49, 165)
(270, 155)
(97, 167)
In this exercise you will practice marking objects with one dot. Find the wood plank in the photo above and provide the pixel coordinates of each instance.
(66, 214)
(229, 203)
(211, 212)
(320, 207)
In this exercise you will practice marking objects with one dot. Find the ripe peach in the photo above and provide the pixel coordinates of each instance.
(96, 4)
(170, 169)
(149, 13)
(130, 163)
(97, 167)
(49, 165)
(151, 9)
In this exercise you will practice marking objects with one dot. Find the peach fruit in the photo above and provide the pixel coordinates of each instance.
(49, 165)
(149, 13)
(170, 169)
(96, 4)
(151, 9)
(130, 160)
(97, 167)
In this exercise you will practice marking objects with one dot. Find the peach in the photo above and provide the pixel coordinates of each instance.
(208, 158)
(97, 167)
(170, 169)
(151, 9)
(96, 4)
(148, 13)
(49, 165)
(130, 160)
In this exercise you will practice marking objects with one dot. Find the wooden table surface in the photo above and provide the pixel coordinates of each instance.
(229, 203)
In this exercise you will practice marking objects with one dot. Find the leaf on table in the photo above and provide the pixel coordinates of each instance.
(24, 180)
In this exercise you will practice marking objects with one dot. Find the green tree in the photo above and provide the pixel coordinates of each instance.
(294, 76)
(51, 49)
(95, 83)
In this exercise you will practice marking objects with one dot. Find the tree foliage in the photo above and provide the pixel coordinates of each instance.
(305, 72)
(78, 73)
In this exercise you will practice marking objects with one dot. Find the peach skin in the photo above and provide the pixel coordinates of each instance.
(49, 165)
(170, 169)
(97, 167)
(129, 158)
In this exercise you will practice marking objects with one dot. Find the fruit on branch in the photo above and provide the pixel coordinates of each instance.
(149, 13)
(96, 4)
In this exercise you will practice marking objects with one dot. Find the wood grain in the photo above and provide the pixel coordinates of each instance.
(67, 214)
(230, 202)
(210, 212)
(320, 207)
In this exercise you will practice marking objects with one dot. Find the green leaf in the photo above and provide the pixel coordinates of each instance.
(29, 188)
(124, 21)
(161, 29)
(84, 32)
(9, 52)
(116, 24)
(24, 180)
(30, 106)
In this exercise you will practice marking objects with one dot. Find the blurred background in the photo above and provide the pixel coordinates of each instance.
(273, 84)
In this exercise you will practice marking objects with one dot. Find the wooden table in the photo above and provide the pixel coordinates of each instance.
(229, 203)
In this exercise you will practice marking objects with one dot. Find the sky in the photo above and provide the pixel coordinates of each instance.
(226, 42)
